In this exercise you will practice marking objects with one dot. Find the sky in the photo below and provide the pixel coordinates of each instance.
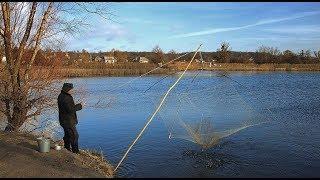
(182, 26)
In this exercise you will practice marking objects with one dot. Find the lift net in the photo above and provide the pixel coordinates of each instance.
(203, 107)
(206, 107)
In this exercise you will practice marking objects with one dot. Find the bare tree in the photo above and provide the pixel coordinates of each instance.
(158, 55)
(85, 56)
(224, 52)
(268, 54)
(25, 28)
(172, 54)
(305, 56)
(317, 55)
(120, 56)
(288, 56)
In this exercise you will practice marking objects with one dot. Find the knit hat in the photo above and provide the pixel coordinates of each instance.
(67, 87)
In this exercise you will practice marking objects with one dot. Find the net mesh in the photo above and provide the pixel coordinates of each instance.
(203, 107)
(206, 107)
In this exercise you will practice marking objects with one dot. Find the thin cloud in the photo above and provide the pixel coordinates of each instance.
(100, 34)
(279, 38)
(262, 22)
(301, 29)
(137, 20)
(156, 24)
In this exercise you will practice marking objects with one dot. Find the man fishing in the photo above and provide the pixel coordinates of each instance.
(68, 117)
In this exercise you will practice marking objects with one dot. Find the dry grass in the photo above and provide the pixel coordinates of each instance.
(77, 72)
(2, 116)
(98, 162)
(248, 66)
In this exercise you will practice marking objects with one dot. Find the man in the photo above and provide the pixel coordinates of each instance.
(68, 117)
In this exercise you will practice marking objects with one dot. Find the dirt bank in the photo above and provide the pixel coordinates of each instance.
(19, 157)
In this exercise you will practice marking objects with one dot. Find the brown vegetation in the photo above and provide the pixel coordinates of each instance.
(77, 72)
(248, 66)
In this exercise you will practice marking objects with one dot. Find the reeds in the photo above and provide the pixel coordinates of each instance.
(76, 72)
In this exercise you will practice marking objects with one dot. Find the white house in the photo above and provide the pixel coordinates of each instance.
(143, 60)
(4, 59)
(109, 59)
(98, 59)
(199, 61)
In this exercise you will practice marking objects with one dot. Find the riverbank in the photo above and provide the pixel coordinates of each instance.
(247, 67)
(77, 72)
(179, 66)
(19, 157)
(136, 70)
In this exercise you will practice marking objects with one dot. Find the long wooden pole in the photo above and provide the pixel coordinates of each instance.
(156, 111)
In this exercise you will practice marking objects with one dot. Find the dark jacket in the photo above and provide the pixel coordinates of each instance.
(67, 110)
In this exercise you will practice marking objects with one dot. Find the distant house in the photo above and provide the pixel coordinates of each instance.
(251, 59)
(109, 59)
(199, 61)
(98, 59)
(67, 55)
(4, 59)
(143, 60)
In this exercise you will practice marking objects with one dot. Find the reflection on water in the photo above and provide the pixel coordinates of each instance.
(286, 147)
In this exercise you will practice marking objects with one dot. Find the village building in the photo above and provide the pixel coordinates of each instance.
(67, 55)
(199, 61)
(109, 59)
(143, 60)
(4, 59)
(98, 59)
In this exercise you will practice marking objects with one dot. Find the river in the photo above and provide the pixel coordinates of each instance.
(288, 146)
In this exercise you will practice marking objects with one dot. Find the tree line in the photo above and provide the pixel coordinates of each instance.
(224, 54)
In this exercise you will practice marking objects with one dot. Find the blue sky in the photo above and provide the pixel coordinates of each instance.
(183, 26)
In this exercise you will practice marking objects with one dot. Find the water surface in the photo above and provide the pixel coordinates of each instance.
(288, 146)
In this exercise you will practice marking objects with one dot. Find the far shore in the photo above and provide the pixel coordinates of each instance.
(179, 66)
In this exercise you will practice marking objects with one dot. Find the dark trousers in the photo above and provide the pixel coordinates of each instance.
(70, 138)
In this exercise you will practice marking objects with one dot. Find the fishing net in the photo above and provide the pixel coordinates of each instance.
(203, 107)
(206, 107)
